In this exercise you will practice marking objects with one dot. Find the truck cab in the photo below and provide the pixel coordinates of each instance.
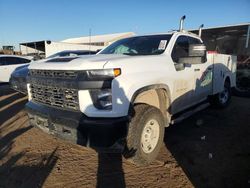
(125, 96)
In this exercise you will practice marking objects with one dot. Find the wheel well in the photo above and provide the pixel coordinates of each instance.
(227, 80)
(158, 98)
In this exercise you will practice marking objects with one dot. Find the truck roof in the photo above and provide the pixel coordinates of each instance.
(25, 57)
(168, 33)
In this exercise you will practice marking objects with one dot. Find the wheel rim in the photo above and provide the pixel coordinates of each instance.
(224, 96)
(150, 136)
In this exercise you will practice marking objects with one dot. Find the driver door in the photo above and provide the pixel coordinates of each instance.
(184, 84)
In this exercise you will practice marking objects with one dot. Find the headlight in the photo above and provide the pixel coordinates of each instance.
(102, 98)
(103, 74)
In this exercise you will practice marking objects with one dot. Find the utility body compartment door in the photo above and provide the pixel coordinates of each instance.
(223, 66)
(203, 77)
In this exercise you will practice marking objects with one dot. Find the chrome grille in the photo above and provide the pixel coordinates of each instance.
(53, 96)
(54, 74)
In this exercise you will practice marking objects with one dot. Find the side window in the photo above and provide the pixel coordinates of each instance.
(180, 48)
(22, 61)
(11, 61)
(2, 61)
(194, 40)
(16, 60)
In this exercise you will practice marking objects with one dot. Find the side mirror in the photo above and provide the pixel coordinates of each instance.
(197, 50)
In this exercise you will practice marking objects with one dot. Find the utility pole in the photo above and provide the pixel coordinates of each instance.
(248, 36)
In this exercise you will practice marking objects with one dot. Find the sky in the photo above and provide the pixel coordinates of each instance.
(34, 20)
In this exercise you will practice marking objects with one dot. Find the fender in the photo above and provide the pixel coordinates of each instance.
(229, 76)
(154, 86)
(150, 87)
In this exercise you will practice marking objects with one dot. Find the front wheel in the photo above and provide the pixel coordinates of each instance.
(223, 98)
(145, 135)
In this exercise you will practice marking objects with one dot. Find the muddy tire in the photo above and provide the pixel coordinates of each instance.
(222, 99)
(145, 135)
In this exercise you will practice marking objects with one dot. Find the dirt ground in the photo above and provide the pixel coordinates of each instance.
(210, 149)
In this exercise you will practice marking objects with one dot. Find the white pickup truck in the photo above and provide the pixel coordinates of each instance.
(129, 92)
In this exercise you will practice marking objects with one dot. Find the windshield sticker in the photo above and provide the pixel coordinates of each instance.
(162, 45)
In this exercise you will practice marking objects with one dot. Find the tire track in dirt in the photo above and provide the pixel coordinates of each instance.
(31, 158)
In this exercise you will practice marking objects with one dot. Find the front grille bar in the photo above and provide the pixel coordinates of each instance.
(54, 74)
(53, 96)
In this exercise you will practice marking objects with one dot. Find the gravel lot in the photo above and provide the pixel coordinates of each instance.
(210, 149)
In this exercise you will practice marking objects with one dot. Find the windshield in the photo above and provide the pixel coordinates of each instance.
(142, 45)
(59, 54)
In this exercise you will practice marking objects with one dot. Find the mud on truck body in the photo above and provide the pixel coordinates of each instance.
(127, 94)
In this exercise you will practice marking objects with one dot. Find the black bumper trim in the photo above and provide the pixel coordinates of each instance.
(98, 133)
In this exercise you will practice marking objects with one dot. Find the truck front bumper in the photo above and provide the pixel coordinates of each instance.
(98, 133)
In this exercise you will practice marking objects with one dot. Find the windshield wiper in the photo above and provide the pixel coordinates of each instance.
(130, 54)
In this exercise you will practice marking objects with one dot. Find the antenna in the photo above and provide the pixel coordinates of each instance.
(200, 29)
(89, 39)
(181, 23)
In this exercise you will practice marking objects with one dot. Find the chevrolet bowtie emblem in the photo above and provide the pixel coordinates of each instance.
(68, 96)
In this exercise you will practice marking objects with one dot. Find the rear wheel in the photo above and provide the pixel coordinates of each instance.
(223, 98)
(145, 135)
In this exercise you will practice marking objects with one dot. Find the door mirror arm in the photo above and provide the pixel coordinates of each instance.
(187, 65)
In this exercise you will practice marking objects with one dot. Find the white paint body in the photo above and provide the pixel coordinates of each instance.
(7, 68)
(185, 87)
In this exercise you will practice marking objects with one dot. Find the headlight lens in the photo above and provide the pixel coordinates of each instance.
(102, 98)
(104, 74)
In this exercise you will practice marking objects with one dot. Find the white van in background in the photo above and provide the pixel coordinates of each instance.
(8, 63)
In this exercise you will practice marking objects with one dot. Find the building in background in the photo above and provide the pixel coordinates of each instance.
(46, 48)
(9, 50)
(235, 40)
(231, 39)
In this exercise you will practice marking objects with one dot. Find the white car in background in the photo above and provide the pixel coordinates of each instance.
(8, 63)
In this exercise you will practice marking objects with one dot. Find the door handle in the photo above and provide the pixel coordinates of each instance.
(196, 69)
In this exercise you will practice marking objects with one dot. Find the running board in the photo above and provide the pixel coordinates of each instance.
(189, 113)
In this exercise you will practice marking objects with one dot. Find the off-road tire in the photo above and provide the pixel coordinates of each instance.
(143, 114)
(216, 101)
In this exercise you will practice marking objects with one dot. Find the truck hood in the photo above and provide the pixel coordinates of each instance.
(75, 63)
(87, 62)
